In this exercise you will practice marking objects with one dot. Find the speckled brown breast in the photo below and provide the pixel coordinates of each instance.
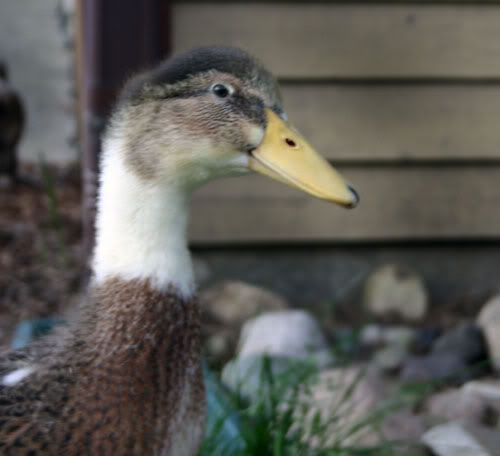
(126, 381)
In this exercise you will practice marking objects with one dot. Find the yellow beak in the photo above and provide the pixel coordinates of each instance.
(286, 156)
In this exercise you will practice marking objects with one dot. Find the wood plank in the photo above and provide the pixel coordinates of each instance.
(322, 40)
(397, 203)
(392, 122)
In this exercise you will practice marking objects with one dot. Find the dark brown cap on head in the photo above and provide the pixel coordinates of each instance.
(228, 60)
(224, 59)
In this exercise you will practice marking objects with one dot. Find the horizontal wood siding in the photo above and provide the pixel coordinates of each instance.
(404, 97)
(396, 204)
(395, 122)
(326, 41)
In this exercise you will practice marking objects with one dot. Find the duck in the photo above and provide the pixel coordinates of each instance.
(124, 377)
(12, 119)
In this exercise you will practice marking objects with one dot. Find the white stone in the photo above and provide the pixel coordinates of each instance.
(456, 439)
(489, 390)
(395, 291)
(489, 321)
(292, 333)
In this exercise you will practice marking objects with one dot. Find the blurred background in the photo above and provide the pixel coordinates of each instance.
(403, 97)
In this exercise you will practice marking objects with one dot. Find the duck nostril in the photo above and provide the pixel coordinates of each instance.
(290, 142)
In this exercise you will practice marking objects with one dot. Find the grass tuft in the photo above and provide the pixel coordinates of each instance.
(280, 419)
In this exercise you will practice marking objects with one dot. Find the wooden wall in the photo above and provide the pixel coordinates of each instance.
(403, 98)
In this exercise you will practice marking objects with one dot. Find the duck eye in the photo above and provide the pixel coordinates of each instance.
(221, 90)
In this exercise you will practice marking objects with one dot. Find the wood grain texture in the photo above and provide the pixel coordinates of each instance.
(374, 87)
(322, 40)
(395, 122)
(397, 203)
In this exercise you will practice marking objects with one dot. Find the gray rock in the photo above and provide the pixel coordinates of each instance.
(399, 335)
(487, 390)
(390, 358)
(371, 335)
(396, 291)
(394, 343)
(459, 439)
(458, 404)
(232, 303)
(424, 340)
(437, 367)
(466, 341)
(489, 321)
(293, 333)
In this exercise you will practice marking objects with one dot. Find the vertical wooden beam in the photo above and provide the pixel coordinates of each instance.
(116, 38)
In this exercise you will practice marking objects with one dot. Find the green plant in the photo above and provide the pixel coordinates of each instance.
(273, 422)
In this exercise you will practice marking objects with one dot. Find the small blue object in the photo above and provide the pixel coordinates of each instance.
(29, 330)
(223, 431)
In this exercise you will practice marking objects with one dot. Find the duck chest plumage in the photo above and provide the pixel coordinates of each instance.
(135, 386)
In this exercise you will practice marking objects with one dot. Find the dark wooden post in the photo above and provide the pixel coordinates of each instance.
(116, 38)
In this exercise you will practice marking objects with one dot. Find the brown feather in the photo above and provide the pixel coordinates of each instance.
(123, 379)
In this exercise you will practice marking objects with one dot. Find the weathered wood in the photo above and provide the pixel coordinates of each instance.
(321, 51)
(397, 203)
(391, 122)
(351, 40)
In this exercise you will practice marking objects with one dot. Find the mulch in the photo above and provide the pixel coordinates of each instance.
(41, 260)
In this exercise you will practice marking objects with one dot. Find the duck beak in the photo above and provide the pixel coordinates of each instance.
(286, 156)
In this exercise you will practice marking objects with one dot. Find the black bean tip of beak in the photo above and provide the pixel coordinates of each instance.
(356, 198)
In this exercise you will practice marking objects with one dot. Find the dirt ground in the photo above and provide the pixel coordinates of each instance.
(40, 253)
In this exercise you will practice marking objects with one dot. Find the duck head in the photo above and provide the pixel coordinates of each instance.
(215, 112)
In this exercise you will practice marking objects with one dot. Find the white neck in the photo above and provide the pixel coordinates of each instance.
(140, 227)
